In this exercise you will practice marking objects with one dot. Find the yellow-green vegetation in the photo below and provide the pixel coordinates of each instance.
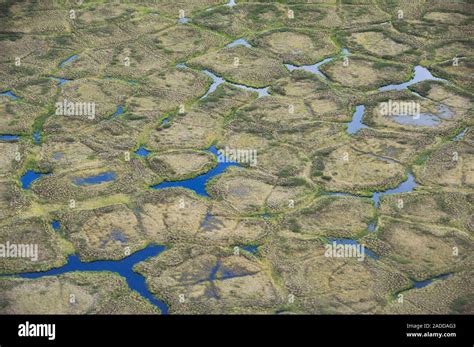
(299, 48)
(450, 166)
(282, 81)
(201, 279)
(323, 217)
(360, 72)
(248, 66)
(423, 250)
(330, 285)
(378, 43)
(92, 293)
(52, 249)
(179, 165)
(345, 169)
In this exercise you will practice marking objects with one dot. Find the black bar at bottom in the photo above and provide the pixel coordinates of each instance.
(396, 330)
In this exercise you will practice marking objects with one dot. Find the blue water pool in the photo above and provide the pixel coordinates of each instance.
(58, 155)
(217, 81)
(314, 68)
(68, 60)
(37, 137)
(421, 74)
(239, 42)
(183, 20)
(29, 177)
(250, 248)
(460, 136)
(60, 80)
(142, 152)
(122, 267)
(372, 226)
(9, 137)
(406, 186)
(423, 119)
(97, 179)
(9, 94)
(198, 184)
(356, 124)
(260, 91)
(118, 112)
(421, 284)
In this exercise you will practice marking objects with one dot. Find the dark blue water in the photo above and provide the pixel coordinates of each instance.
(60, 80)
(142, 151)
(421, 74)
(104, 177)
(421, 284)
(239, 42)
(250, 248)
(165, 121)
(9, 137)
(29, 177)
(356, 124)
(56, 225)
(404, 187)
(122, 267)
(118, 112)
(9, 94)
(37, 137)
(68, 60)
(198, 184)
(367, 252)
